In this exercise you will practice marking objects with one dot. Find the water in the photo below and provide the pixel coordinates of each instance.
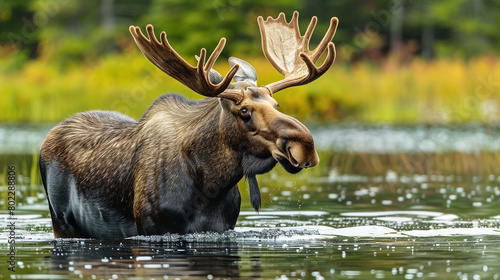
(386, 202)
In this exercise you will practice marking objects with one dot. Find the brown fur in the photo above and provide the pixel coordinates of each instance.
(96, 147)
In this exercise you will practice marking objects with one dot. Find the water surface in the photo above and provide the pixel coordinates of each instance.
(391, 202)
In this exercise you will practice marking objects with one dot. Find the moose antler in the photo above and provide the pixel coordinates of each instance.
(196, 78)
(289, 52)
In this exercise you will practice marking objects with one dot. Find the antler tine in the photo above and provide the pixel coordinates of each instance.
(166, 58)
(215, 54)
(289, 52)
(330, 33)
(309, 31)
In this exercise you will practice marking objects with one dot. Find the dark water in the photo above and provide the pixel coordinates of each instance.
(385, 202)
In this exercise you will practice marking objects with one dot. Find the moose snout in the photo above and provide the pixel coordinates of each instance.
(295, 142)
(302, 156)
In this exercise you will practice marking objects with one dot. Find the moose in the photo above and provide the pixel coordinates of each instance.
(176, 169)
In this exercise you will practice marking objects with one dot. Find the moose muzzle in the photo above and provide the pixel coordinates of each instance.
(295, 144)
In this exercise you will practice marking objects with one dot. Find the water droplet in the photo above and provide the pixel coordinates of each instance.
(333, 196)
(386, 202)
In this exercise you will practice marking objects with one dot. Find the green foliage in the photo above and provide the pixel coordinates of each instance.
(192, 25)
(466, 26)
(80, 30)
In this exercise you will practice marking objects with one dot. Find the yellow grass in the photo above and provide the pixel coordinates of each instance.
(439, 91)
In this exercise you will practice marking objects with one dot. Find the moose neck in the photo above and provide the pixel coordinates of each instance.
(198, 135)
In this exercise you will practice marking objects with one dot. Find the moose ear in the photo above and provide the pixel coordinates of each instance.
(245, 73)
(214, 76)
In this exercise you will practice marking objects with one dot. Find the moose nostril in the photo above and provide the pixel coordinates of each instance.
(293, 161)
(307, 165)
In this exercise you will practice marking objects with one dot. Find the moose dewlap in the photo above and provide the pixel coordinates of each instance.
(176, 169)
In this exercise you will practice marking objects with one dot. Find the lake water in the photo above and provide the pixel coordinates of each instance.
(385, 202)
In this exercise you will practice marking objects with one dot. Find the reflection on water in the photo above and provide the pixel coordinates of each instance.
(140, 259)
(266, 258)
(378, 206)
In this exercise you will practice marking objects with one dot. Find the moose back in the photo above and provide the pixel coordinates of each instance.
(176, 169)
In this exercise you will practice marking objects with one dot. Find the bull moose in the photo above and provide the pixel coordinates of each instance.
(176, 169)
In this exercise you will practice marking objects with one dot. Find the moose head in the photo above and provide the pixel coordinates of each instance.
(155, 169)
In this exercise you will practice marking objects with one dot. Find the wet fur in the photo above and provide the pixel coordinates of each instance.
(175, 170)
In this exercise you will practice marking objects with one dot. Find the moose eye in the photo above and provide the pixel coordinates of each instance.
(245, 114)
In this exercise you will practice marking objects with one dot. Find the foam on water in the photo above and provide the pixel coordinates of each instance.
(284, 213)
(392, 213)
(269, 234)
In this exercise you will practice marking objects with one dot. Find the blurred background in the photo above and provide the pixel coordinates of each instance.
(406, 123)
(398, 61)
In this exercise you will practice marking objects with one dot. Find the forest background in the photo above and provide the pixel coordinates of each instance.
(398, 61)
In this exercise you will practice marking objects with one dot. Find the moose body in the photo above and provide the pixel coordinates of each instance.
(176, 169)
(111, 173)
